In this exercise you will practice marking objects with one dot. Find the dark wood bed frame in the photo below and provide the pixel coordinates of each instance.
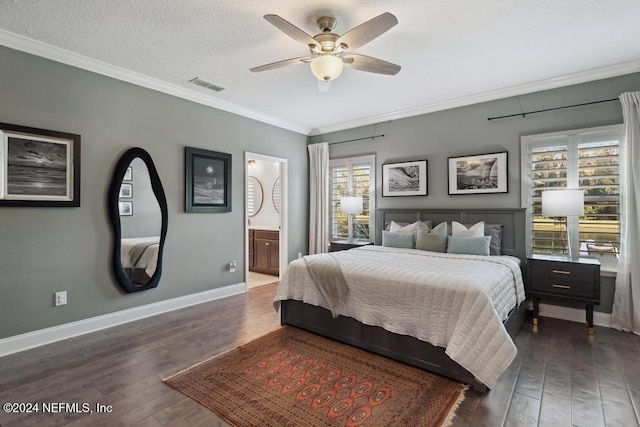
(405, 348)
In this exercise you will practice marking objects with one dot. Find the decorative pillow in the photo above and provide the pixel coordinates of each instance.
(403, 227)
(495, 232)
(468, 245)
(460, 230)
(398, 240)
(434, 240)
(492, 230)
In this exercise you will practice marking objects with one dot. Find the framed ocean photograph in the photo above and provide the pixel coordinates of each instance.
(38, 167)
(479, 174)
(207, 181)
(405, 178)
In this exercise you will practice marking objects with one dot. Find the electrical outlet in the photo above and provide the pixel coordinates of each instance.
(299, 254)
(232, 267)
(60, 298)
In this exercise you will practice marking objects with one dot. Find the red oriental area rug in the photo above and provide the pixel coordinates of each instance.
(294, 378)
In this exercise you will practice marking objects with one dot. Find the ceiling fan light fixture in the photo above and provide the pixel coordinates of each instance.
(327, 67)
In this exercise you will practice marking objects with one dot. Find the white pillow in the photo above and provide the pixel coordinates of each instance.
(459, 230)
(411, 228)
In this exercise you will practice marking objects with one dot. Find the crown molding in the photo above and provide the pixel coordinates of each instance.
(44, 50)
(537, 86)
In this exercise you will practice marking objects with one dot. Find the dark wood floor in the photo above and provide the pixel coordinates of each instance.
(561, 377)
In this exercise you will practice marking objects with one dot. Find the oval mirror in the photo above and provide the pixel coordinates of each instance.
(138, 214)
(255, 195)
(275, 195)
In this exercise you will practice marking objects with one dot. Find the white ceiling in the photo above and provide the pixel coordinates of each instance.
(452, 52)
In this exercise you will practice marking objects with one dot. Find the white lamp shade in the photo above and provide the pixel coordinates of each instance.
(351, 205)
(326, 67)
(562, 203)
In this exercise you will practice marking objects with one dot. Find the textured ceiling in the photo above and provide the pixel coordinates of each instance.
(452, 52)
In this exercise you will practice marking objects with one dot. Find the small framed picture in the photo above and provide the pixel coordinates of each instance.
(207, 181)
(39, 167)
(126, 191)
(479, 174)
(128, 175)
(405, 178)
(125, 208)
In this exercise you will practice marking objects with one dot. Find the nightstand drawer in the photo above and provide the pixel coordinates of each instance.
(565, 286)
(562, 270)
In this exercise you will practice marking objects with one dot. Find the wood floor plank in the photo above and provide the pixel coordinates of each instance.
(560, 377)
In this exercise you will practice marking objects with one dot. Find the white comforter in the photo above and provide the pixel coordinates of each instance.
(452, 301)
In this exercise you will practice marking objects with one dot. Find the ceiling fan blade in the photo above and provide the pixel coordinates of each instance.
(370, 64)
(280, 64)
(291, 30)
(367, 31)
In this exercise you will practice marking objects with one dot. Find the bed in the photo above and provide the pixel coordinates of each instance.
(139, 257)
(436, 339)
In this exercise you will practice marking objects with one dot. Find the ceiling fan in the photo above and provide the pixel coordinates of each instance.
(330, 52)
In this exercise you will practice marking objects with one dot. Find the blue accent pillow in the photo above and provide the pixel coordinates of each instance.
(468, 245)
(398, 240)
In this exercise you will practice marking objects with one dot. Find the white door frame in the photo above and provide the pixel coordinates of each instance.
(284, 203)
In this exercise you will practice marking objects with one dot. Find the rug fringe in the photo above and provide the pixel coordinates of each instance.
(217, 355)
(199, 363)
(448, 422)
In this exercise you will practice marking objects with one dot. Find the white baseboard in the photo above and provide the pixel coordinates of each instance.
(41, 337)
(574, 314)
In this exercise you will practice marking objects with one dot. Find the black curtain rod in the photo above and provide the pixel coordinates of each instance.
(357, 139)
(551, 109)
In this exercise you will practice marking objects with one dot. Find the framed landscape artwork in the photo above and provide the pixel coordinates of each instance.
(207, 181)
(39, 167)
(479, 174)
(125, 208)
(405, 178)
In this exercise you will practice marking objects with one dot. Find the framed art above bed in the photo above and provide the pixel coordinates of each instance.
(405, 178)
(479, 174)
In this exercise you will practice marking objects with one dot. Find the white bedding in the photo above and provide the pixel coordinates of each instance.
(149, 258)
(452, 301)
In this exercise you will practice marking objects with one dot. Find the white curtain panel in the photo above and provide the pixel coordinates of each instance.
(318, 198)
(626, 301)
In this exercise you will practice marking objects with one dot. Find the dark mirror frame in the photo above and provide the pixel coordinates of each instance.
(114, 215)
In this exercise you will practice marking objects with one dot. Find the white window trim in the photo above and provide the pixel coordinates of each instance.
(530, 141)
(371, 158)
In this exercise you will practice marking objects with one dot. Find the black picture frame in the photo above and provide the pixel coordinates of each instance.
(479, 174)
(402, 179)
(125, 208)
(126, 190)
(207, 180)
(38, 167)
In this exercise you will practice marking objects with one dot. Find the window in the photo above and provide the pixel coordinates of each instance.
(586, 159)
(353, 176)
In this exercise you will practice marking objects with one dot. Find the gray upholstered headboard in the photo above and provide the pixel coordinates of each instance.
(512, 219)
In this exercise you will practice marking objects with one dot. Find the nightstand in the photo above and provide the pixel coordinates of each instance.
(559, 277)
(343, 245)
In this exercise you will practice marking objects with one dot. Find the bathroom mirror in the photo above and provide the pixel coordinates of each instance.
(138, 213)
(255, 196)
(275, 195)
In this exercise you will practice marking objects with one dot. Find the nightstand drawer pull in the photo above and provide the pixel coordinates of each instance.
(561, 271)
(562, 286)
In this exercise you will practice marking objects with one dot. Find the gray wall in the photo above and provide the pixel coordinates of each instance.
(466, 131)
(146, 220)
(44, 250)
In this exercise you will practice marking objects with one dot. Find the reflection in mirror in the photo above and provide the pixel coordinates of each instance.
(255, 196)
(275, 195)
(138, 213)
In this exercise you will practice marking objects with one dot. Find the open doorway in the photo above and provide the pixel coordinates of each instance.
(265, 231)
